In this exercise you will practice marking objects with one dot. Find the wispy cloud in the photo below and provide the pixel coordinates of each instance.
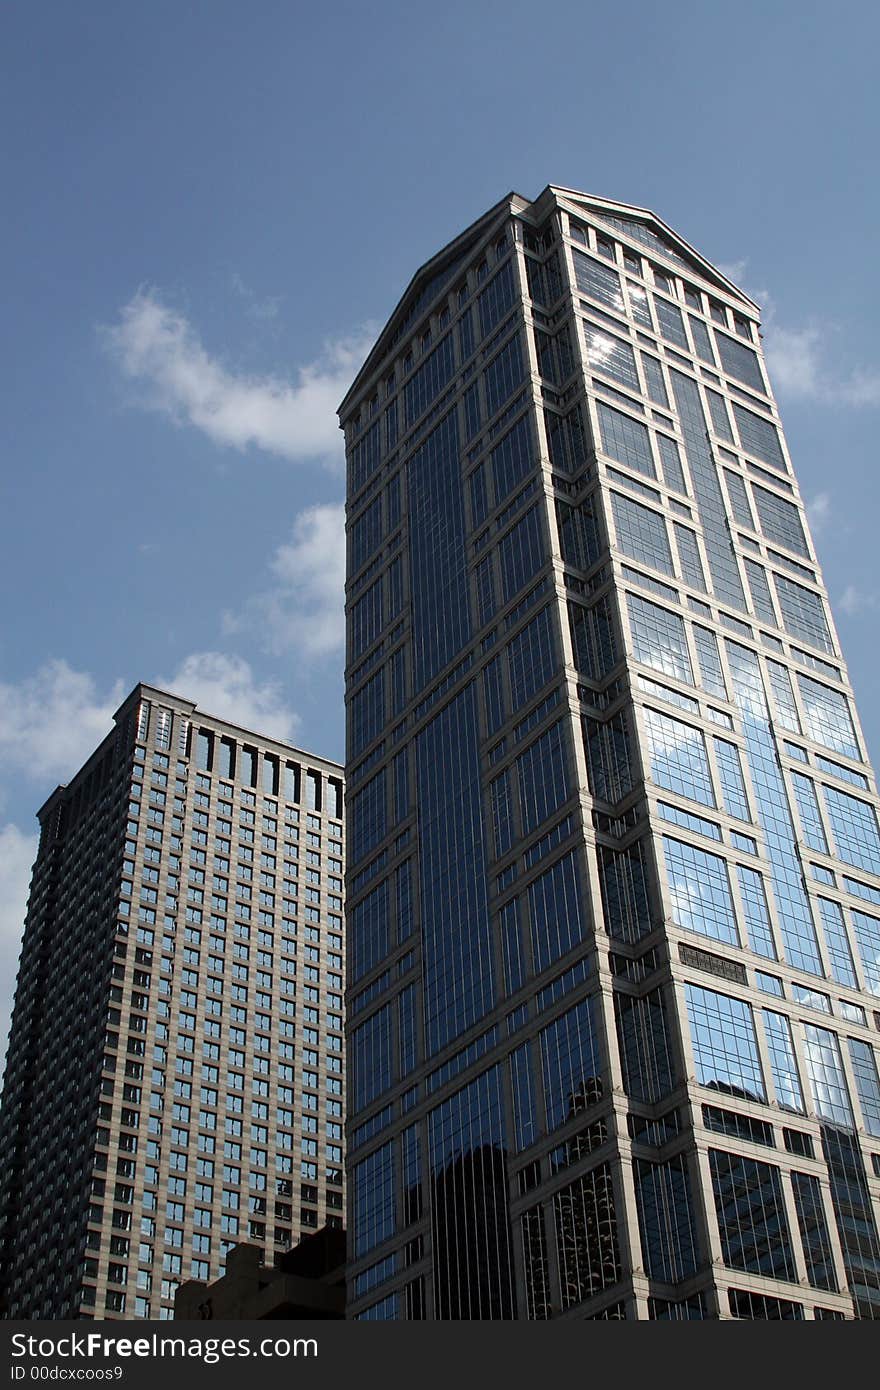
(17, 854)
(302, 608)
(819, 511)
(800, 359)
(226, 686)
(156, 346)
(854, 600)
(260, 309)
(51, 721)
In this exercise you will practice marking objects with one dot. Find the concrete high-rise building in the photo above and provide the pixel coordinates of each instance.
(614, 865)
(174, 1079)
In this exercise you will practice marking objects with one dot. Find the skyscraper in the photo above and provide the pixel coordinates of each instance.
(174, 1077)
(614, 865)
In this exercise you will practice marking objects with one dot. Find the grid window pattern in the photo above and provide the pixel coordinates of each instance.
(426, 384)
(497, 298)
(689, 557)
(739, 499)
(733, 786)
(783, 1063)
(864, 1065)
(556, 911)
(659, 639)
(543, 778)
(670, 458)
(803, 613)
(751, 1216)
(726, 582)
(759, 437)
(593, 637)
(759, 588)
(656, 385)
(472, 1259)
(437, 560)
(699, 891)
(642, 1029)
(371, 1058)
(587, 1245)
(709, 659)
(571, 1063)
(612, 357)
(854, 827)
(837, 941)
(808, 810)
(814, 1231)
(679, 762)
(780, 520)
(512, 459)
(503, 375)
(531, 658)
(724, 1043)
(774, 812)
(373, 1182)
(666, 1219)
(625, 440)
(670, 323)
(641, 533)
(522, 552)
(827, 717)
(739, 361)
(783, 697)
(757, 916)
(867, 934)
(718, 414)
(456, 933)
(598, 281)
(825, 1075)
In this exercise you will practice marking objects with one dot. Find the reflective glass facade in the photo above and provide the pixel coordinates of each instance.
(614, 885)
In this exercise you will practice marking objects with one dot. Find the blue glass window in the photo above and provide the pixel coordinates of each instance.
(658, 638)
(369, 932)
(521, 553)
(625, 440)
(531, 657)
(641, 533)
(751, 1216)
(783, 1064)
(679, 762)
(456, 932)
(512, 459)
(867, 933)
(556, 911)
(808, 810)
(543, 778)
(739, 361)
(426, 384)
(699, 891)
(724, 1043)
(498, 296)
(759, 437)
(571, 1062)
(864, 1065)
(780, 520)
(438, 568)
(503, 375)
(854, 827)
(827, 717)
(842, 968)
(757, 916)
(825, 1074)
(666, 1219)
(373, 1182)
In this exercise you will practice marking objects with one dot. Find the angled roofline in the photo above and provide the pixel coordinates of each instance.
(596, 204)
(514, 202)
(450, 251)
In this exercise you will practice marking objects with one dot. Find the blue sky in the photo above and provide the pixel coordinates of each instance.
(208, 209)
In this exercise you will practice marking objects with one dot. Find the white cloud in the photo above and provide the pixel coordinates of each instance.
(854, 601)
(17, 854)
(260, 309)
(303, 610)
(794, 358)
(156, 346)
(52, 721)
(818, 511)
(225, 686)
(798, 358)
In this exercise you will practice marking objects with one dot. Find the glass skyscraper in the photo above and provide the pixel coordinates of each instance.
(614, 864)
(174, 1080)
